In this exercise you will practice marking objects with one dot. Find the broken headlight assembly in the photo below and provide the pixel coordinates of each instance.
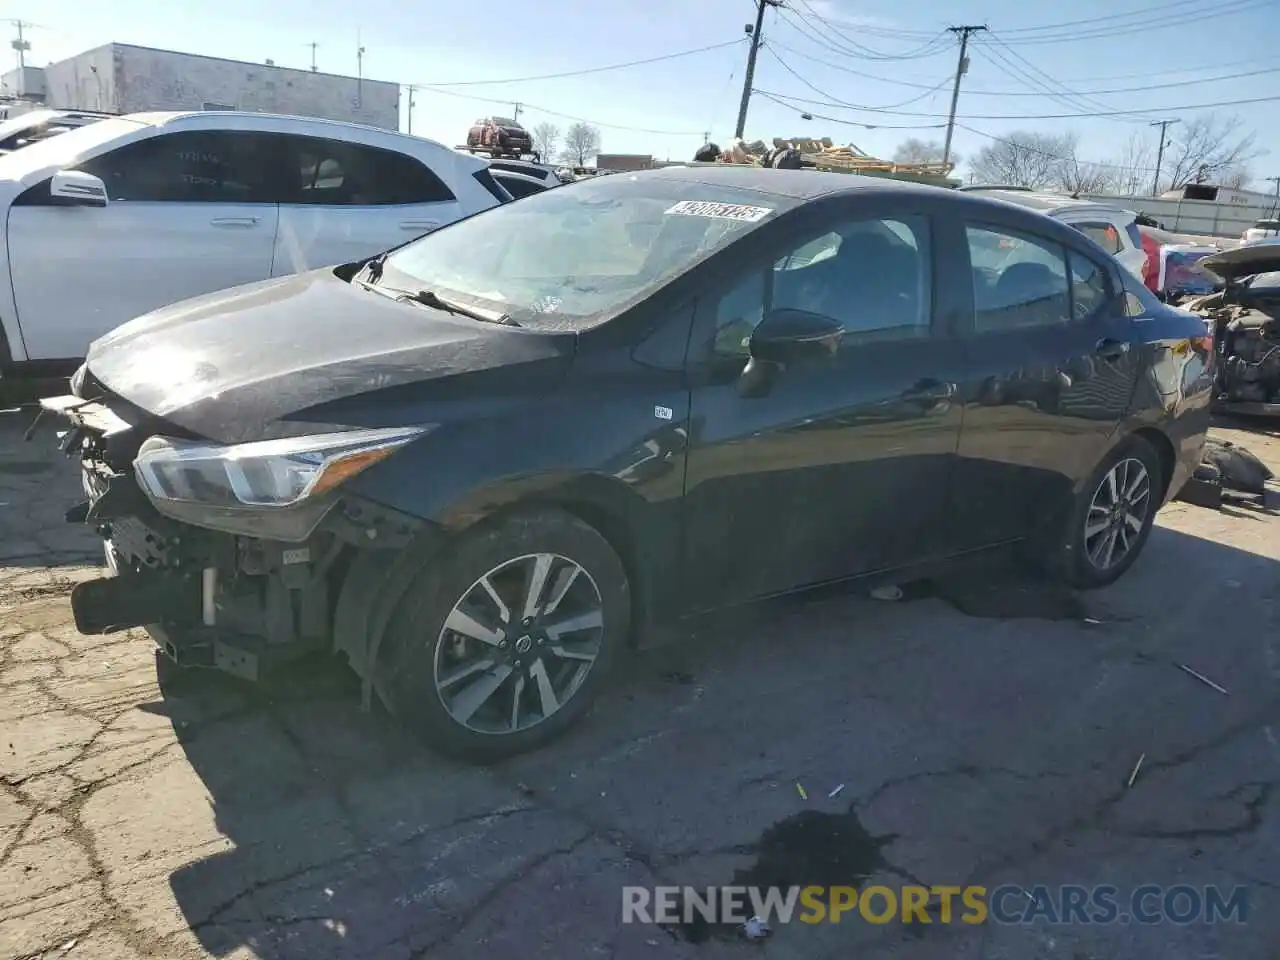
(270, 489)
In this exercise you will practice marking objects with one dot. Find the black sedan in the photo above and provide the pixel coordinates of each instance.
(480, 465)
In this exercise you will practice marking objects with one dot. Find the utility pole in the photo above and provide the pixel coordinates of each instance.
(21, 45)
(313, 46)
(1275, 207)
(359, 71)
(962, 67)
(754, 33)
(1164, 126)
(516, 116)
(412, 89)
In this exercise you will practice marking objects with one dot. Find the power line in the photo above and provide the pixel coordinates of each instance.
(1182, 108)
(852, 123)
(555, 113)
(1146, 26)
(928, 91)
(928, 48)
(1164, 9)
(589, 70)
(1052, 156)
(849, 49)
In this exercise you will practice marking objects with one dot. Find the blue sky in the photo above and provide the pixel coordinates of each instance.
(1025, 66)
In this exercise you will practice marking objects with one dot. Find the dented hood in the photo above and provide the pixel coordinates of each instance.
(1260, 257)
(286, 355)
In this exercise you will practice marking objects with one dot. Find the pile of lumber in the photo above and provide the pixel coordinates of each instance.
(824, 154)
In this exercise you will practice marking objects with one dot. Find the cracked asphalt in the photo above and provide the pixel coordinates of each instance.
(187, 816)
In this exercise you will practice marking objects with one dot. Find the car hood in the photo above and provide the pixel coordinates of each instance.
(1260, 257)
(299, 354)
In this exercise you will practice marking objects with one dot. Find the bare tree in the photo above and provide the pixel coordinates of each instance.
(581, 143)
(1132, 169)
(1076, 176)
(1208, 148)
(546, 137)
(1024, 158)
(1237, 179)
(915, 150)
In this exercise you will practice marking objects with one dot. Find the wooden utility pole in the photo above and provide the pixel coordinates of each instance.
(1164, 126)
(754, 33)
(313, 46)
(412, 89)
(962, 67)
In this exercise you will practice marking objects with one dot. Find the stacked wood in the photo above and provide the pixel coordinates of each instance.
(824, 154)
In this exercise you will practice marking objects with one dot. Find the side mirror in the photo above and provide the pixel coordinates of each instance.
(78, 188)
(795, 336)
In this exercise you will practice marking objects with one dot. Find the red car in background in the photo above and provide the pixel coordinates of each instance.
(500, 136)
(1153, 238)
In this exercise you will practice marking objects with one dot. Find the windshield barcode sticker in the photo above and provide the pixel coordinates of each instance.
(719, 211)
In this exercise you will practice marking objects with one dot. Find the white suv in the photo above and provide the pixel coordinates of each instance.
(115, 219)
(1113, 228)
(1262, 230)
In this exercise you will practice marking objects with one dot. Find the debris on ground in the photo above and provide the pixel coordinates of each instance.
(888, 592)
(755, 929)
(836, 792)
(800, 790)
(1239, 469)
(1136, 767)
(1203, 679)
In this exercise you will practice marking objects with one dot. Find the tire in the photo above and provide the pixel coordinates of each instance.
(525, 658)
(1078, 558)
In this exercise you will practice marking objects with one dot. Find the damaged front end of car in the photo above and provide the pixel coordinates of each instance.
(1244, 319)
(231, 556)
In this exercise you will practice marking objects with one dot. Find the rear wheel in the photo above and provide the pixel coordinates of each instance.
(1111, 518)
(508, 642)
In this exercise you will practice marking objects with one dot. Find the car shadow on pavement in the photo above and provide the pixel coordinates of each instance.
(973, 745)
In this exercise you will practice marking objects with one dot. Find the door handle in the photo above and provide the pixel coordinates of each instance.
(418, 224)
(1109, 349)
(235, 221)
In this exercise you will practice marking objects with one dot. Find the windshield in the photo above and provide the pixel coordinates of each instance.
(64, 149)
(575, 256)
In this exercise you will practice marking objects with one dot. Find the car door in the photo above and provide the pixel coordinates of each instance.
(348, 201)
(841, 466)
(1052, 373)
(188, 212)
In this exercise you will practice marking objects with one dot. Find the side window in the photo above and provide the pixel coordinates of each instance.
(1018, 281)
(870, 275)
(348, 174)
(1089, 287)
(1104, 235)
(199, 166)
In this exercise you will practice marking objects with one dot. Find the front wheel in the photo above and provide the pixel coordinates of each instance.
(1111, 517)
(508, 640)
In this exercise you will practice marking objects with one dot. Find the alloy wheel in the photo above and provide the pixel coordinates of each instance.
(518, 645)
(1117, 513)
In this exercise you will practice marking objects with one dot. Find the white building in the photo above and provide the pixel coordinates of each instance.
(123, 78)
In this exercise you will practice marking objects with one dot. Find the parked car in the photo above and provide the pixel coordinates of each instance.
(36, 125)
(1261, 231)
(520, 184)
(480, 465)
(550, 175)
(117, 218)
(501, 136)
(1113, 228)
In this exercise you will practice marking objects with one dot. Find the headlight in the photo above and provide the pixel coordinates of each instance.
(279, 483)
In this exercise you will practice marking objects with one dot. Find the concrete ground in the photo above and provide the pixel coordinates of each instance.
(211, 819)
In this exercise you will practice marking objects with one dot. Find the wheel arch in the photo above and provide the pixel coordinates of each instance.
(1163, 446)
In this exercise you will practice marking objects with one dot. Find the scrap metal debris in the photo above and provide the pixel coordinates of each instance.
(800, 790)
(836, 792)
(1238, 468)
(889, 592)
(1136, 767)
(1203, 679)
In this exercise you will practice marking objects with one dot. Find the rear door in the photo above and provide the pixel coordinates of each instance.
(1051, 374)
(347, 201)
(841, 466)
(189, 212)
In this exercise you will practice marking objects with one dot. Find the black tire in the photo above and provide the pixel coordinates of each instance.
(1068, 559)
(407, 678)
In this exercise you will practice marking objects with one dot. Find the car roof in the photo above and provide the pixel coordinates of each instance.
(161, 118)
(1044, 202)
(794, 184)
